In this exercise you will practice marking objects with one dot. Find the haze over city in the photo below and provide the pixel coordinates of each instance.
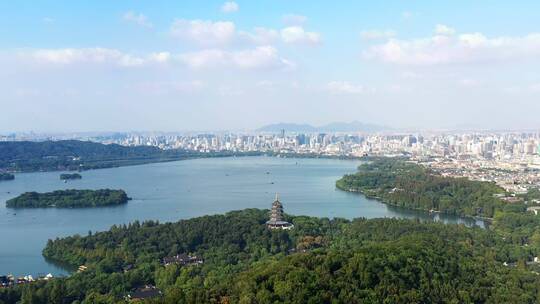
(181, 65)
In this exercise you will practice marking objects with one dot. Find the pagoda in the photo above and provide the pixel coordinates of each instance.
(276, 217)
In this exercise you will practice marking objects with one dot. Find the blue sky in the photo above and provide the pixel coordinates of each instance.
(215, 65)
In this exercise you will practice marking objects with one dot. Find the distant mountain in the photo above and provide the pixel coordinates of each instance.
(354, 126)
(290, 127)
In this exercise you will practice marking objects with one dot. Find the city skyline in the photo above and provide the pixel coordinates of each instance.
(235, 65)
(510, 159)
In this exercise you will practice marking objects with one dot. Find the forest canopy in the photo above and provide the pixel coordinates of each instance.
(70, 176)
(319, 261)
(69, 199)
(26, 156)
(405, 184)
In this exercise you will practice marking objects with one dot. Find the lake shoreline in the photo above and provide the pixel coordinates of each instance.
(172, 191)
(485, 220)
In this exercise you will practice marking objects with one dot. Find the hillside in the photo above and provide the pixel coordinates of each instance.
(319, 261)
(26, 156)
(408, 185)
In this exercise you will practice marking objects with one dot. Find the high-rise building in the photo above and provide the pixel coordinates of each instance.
(529, 148)
(301, 139)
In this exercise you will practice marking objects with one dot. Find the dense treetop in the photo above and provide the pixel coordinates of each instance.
(6, 176)
(409, 185)
(319, 261)
(69, 199)
(68, 176)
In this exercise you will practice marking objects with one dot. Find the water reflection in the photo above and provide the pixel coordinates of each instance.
(438, 217)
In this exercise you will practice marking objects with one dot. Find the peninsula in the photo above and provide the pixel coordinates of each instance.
(405, 184)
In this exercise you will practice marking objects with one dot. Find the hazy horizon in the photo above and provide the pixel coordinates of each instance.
(175, 66)
(389, 130)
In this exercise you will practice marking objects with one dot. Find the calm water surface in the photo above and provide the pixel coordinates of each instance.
(179, 190)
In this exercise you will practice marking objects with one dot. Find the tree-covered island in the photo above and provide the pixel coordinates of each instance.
(69, 199)
(70, 176)
(6, 176)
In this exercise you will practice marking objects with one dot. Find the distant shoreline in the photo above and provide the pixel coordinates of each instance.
(116, 163)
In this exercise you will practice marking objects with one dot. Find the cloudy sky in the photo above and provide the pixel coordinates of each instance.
(215, 65)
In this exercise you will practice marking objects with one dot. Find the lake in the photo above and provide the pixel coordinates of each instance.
(179, 190)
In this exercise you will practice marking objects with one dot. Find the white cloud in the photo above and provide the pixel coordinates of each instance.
(341, 87)
(289, 35)
(535, 87)
(137, 18)
(96, 55)
(260, 36)
(531, 88)
(164, 87)
(464, 48)
(204, 58)
(297, 35)
(397, 88)
(265, 84)
(204, 32)
(229, 7)
(411, 75)
(377, 34)
(469, 83)
(91, 55)
(130, 61)
(190, 86)
(223, 33)
(259, 57)
(161, 57)
(293, 19)
(442, 29)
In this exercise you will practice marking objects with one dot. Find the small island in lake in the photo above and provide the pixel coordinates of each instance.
(69, 199)
(70, 176)
(6, 176)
